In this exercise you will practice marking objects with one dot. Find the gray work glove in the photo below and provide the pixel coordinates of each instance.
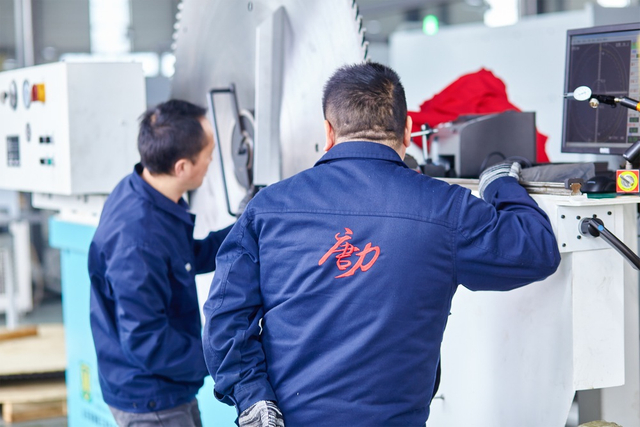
(264, 413)
(500, 170)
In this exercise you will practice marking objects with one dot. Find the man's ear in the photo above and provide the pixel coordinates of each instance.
(180, 168)
(407, 132)
(330, 136)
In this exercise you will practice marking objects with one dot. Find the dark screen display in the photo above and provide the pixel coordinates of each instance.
(605, 59)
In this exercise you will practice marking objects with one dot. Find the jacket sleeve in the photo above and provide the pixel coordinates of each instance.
(505, 243)
(232, 343)
(139, 278)
(205, 250)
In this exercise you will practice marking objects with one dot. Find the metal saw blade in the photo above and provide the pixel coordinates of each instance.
(215, 45)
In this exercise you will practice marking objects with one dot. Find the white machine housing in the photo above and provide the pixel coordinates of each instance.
(81, 139)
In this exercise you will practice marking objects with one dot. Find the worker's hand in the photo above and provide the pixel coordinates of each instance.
(500, 170)
(246, 199)
(264, 413)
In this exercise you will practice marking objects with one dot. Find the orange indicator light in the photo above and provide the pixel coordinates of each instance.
(37, 92)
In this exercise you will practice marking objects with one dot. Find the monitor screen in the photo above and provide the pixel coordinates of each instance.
(605, 59)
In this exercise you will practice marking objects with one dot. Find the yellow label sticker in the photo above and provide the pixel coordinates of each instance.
(85, 377)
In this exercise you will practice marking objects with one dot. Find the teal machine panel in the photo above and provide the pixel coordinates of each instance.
(84, 398)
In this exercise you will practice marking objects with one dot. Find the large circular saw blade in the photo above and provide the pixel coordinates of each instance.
(215, 45)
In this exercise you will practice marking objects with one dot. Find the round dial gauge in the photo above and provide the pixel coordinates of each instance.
(26, 94)
(13, 95)
(582, 93)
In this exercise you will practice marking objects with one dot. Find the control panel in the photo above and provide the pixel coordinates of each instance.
(69, 128)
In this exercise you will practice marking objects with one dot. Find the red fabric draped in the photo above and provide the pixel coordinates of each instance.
(475, 93)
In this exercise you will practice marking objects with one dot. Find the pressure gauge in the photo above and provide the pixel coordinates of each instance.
(582, 93)
(13, 95)
(26, 94)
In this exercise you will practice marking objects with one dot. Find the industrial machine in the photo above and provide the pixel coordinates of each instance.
(56, 120)
(68, 136)
(277, 54)
(470, 143)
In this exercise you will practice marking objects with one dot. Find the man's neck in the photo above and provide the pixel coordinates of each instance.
(164, 184)
(394, 145)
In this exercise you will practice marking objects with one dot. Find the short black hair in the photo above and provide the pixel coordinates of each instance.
(169, 132)
(365, 101)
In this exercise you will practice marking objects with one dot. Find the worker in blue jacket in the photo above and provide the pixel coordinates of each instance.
(333, 289)
(143, 260)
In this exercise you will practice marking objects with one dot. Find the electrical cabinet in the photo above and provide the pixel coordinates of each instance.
(69, 128)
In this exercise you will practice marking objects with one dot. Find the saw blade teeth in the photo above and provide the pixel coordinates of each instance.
(361, 30)
(176, 26)
(355, 10)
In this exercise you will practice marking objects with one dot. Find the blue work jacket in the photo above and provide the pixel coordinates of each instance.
(351, 267)
(145, 316)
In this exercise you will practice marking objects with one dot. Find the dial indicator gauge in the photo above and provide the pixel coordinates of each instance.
(26, 94)
(13, 95)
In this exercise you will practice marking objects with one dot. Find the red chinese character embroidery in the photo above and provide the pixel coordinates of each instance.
(345, 250)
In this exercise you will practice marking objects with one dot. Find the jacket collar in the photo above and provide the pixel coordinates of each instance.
(361, 150)
(142, 187)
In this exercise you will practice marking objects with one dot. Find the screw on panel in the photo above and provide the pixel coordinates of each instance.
(579, 237)
(595, 216)
(562, 216)
(609, 213)
(578, 217)
(564, 245)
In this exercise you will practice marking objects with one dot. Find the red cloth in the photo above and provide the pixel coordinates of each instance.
(475, 93)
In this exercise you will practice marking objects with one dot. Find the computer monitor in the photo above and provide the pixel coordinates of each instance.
(605, 59)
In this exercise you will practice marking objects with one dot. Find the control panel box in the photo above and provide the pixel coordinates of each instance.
(69, 128)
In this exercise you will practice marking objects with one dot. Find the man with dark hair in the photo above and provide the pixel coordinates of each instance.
(143, 259)
(334, 287)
